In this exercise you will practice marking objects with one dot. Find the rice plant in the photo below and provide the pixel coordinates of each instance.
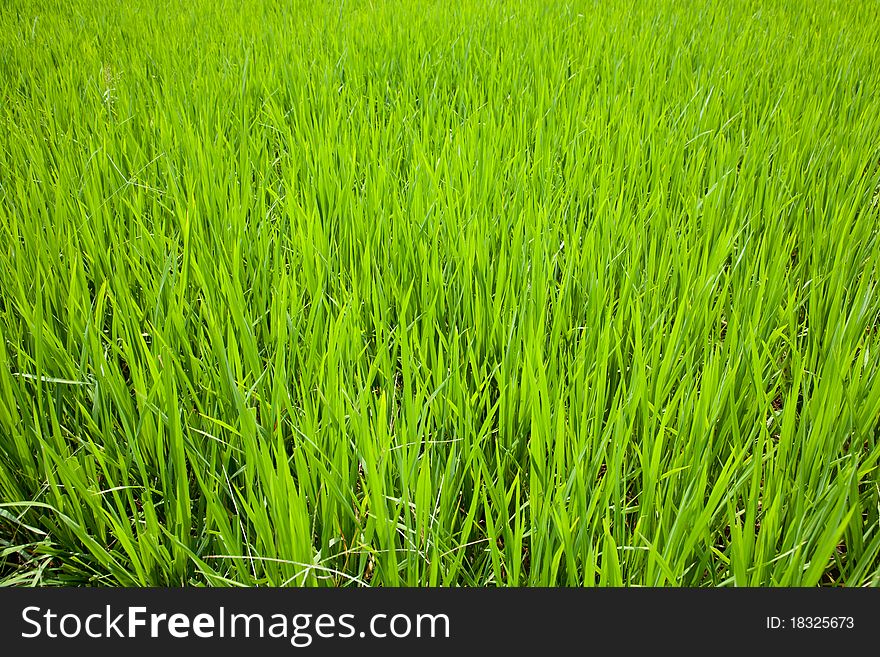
(442, 293)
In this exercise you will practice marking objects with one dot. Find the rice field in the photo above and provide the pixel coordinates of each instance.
(460, 293)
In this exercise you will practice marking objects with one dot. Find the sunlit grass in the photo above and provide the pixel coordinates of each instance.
(451, 293)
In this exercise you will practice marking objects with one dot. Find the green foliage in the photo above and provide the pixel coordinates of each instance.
(450, 293)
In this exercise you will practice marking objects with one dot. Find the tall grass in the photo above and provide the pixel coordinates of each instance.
(446, 293)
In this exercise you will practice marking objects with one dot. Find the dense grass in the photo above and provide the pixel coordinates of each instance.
(450, 293)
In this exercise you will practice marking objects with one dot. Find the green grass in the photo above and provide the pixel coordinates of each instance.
(440, 293)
